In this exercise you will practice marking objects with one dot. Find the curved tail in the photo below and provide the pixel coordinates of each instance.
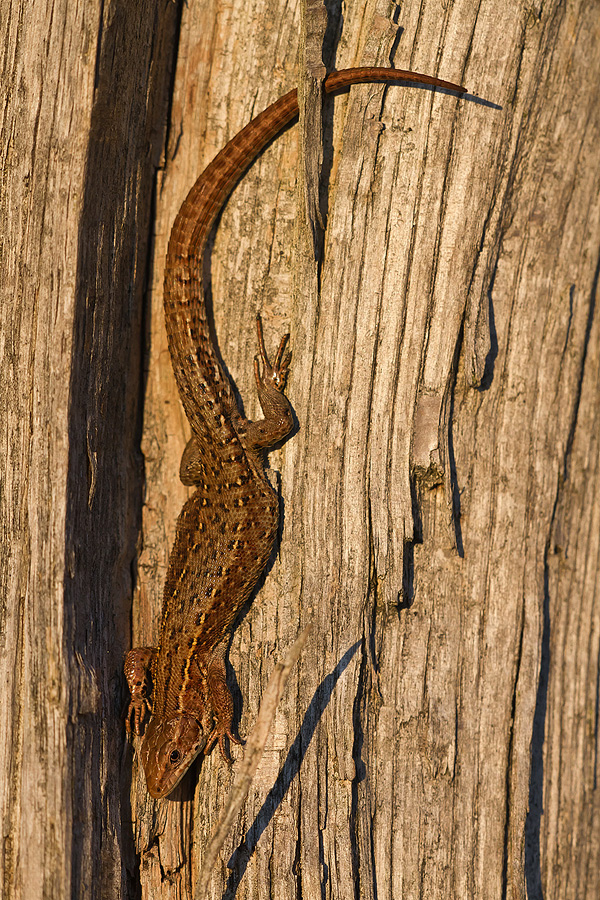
(197, 369)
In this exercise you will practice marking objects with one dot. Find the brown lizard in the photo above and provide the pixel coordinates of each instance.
(226, 530)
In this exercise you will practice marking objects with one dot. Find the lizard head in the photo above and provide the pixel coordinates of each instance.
(168, 750)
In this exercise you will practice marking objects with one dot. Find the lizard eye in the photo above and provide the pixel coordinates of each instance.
(174, 757)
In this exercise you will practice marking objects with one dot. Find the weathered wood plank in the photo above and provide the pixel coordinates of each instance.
(441, 494)
(85, 103)
(429, 356)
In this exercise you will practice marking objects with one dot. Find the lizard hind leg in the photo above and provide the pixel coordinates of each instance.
(270, 379)
(275, 374)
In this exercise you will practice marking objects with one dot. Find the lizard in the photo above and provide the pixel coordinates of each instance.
(226, 530)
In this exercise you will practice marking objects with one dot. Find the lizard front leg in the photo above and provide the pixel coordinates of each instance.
(138, 664)
(220, 701)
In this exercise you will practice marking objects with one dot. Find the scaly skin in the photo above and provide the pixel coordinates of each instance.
(226, 530)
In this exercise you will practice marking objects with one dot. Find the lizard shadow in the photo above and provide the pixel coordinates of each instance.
(290, 768)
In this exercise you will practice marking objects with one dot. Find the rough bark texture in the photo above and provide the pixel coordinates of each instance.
(441, 496)
(85, 104)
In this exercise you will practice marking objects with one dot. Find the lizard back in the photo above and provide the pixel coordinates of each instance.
(226, 530)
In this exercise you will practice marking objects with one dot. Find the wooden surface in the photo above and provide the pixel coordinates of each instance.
(441, 496)
(85, 107)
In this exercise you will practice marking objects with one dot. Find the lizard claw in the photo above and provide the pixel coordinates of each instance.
(218, 734)
(136, 713)
(225, 752)
(137, 674)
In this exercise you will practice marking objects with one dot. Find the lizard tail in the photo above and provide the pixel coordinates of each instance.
(195, 363)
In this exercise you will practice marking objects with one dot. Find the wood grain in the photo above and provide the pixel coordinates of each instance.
(82, 122)
(402, 755)
(441, 496)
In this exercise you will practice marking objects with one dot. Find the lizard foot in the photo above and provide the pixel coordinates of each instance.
(271, 374)
(219, 733)
(137, 672)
